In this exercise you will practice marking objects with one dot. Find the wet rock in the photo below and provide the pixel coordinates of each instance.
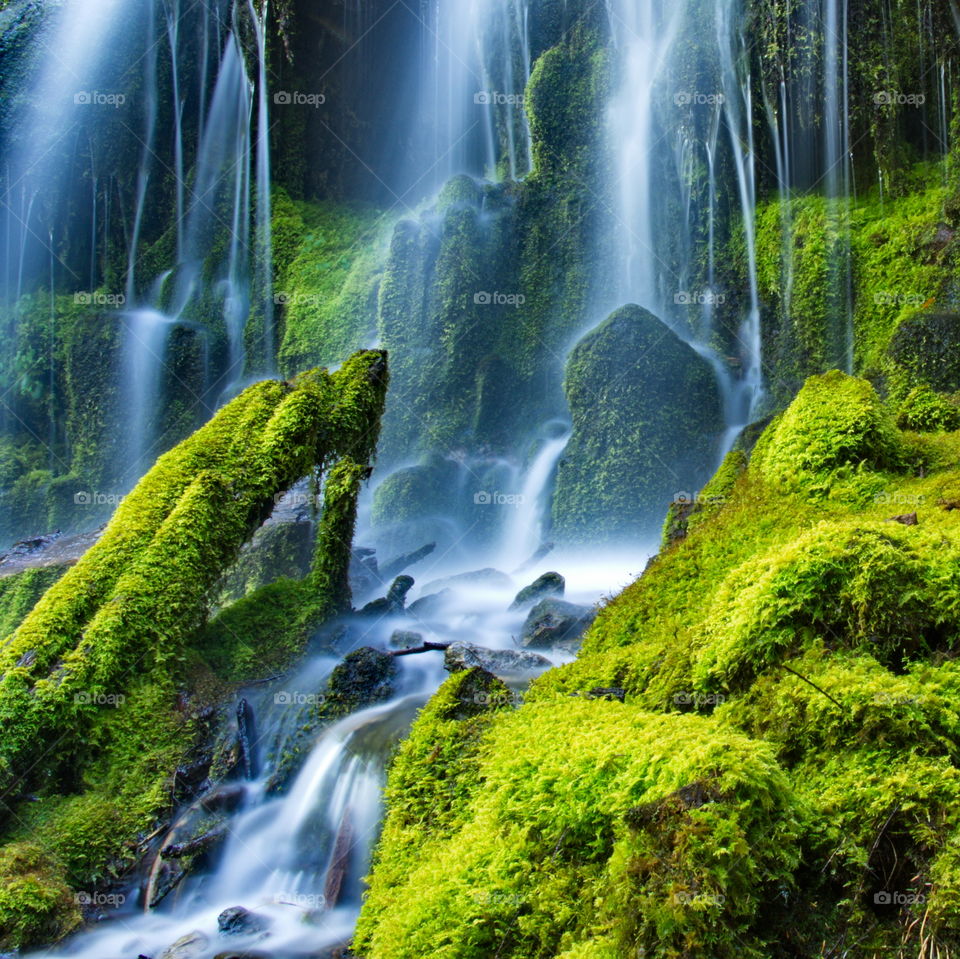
(427, 606)
(246, 955)
(190, 946)
(543, 550)
(554, 621)
(404, 639)
(396, 566)
(224, 798)
(615, 693)
(475, 577)
(397, 594)
(238, 921)
(461, 656)
(907, 519)
(195, 847)
(549, 584)
(364, 574)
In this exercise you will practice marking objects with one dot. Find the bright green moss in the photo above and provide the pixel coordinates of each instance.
(836, 423)
(926, 411)
(570, 836)
(20, 592)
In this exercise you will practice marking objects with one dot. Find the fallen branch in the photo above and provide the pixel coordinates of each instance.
(425, 648)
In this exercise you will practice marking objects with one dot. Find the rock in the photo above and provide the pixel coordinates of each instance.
(396, 566)
(397, 594)
(608, 692)
(190, 946)
(404, 639)
(662, 412)
(393, 602)
(908, 519)
(238, 921)
(427, 606)
(549, 584)
(224, 798)
(364, 574)
(553, 621)
(475, 577)
(927, 346)
(461, 656)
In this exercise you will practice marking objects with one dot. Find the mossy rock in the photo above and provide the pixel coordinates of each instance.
(647, 417)
(927, 346)
(836, 423)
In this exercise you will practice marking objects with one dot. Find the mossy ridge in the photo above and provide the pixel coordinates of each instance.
(108, 666)
(796, 615)
(567, 837)
(20, 592)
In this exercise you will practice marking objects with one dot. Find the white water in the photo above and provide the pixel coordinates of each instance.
(276, 858)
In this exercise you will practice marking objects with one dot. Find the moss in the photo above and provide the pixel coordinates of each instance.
(20, 592)
(925, 411)
(641, 431)
(795, 640)
(327, 262)
(103, 689)
(36, 906)
(837, 424)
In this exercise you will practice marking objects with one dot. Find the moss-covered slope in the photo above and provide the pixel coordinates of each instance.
(782, 777)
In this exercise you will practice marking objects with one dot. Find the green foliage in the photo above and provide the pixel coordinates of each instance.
(20, 592)
(926, 412)
(836, 424)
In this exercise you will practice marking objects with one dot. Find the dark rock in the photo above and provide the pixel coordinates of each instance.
(907, 519)
(475, 577)
(397, 594)
(549, 584)
(377, 607)
(662, 410)
(427, 606)
(364, 574)
(246, 736)
(195, 847)
(224, 798)
(461, 656)
(237, 921)
(553, 621)
(404, 639)
(927, 346)
(401, 563)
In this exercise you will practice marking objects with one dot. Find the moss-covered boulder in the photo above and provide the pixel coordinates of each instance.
(836, 426)
(927, 346)
(647, 417)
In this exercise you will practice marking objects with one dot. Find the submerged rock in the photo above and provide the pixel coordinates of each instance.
(554, 621)
(238, 921)
(427, 606)
(549, 584)
(404, 639)
(475, 577)
(460, 656)
(399, 564)
(189, 946)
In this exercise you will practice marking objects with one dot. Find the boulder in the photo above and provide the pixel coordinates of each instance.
(660, 415)
(401, 563)
(427, 606)
(404, 639)
(554, 621)
(549, 584)
(461, 656)
(475, 577)
(238, 921)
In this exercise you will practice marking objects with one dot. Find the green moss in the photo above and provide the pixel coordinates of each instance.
(837, 424)
(926, 411)
(102, 683)
(36, 906)
(20, 592)
(641, 431)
